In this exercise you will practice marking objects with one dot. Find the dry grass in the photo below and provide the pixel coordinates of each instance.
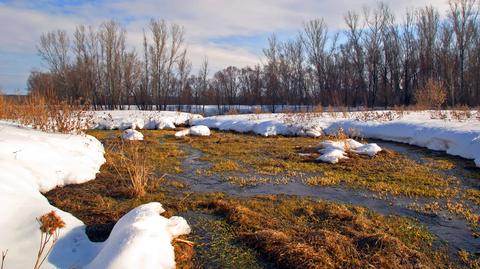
(461, 113)
(47, 113)
(381, 116)
(232, 111)
(298, 233)
(130, 161)
(290, 232)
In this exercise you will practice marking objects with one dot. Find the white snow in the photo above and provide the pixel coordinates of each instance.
(198, 130)
(33, 162)
(333, 151)
(131, 134)
(141, 239)
(461, 138)
(138, 119)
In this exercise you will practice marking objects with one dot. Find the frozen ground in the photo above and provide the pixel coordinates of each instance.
(461, 138)
(33, 162)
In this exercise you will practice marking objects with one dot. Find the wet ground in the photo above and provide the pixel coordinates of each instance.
(450, 228)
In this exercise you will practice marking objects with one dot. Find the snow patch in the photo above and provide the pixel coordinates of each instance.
(141, 239)
(199, 130)
(131, 134)
(334, 151)
(138, 119)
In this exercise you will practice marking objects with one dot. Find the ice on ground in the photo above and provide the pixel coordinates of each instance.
(461, 138)
(131, 134)
(334, 151)
(199, 130)
(32, 162)
(137, 119)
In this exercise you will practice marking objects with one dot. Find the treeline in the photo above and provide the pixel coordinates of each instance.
(377, 61)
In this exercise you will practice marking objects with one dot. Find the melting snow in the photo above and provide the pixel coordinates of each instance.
(333, 151)
(33, 162)
(199, 130)
(131, 134)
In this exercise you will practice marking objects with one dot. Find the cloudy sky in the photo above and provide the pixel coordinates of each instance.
(228, 32)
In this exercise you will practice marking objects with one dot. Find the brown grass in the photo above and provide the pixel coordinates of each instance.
(301, 234)
(47, 113)
(130, 161)
(461, 113)
(290, 232)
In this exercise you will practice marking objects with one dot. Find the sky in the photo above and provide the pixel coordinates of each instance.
(227, 32)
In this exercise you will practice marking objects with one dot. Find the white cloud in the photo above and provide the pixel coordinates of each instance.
(22, 22)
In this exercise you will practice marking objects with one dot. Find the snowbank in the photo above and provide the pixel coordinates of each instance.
(32, 162)
(131, 134)
(461, 138)
(333, 151)
(141, 239)
(137, 119)
(198, 130)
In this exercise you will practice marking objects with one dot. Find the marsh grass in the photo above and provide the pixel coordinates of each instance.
(132, 163)
(301, 233)
(293, 157)
(290, 232)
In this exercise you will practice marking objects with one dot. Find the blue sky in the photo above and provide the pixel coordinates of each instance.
(227, 32)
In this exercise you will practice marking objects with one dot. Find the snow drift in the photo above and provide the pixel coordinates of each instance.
(33, 162)
(137, 119)
(141, 239)
(461, 138)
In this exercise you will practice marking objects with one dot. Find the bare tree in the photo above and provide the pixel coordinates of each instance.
(463, 15)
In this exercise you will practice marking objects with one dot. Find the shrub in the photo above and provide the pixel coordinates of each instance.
(432, 96)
